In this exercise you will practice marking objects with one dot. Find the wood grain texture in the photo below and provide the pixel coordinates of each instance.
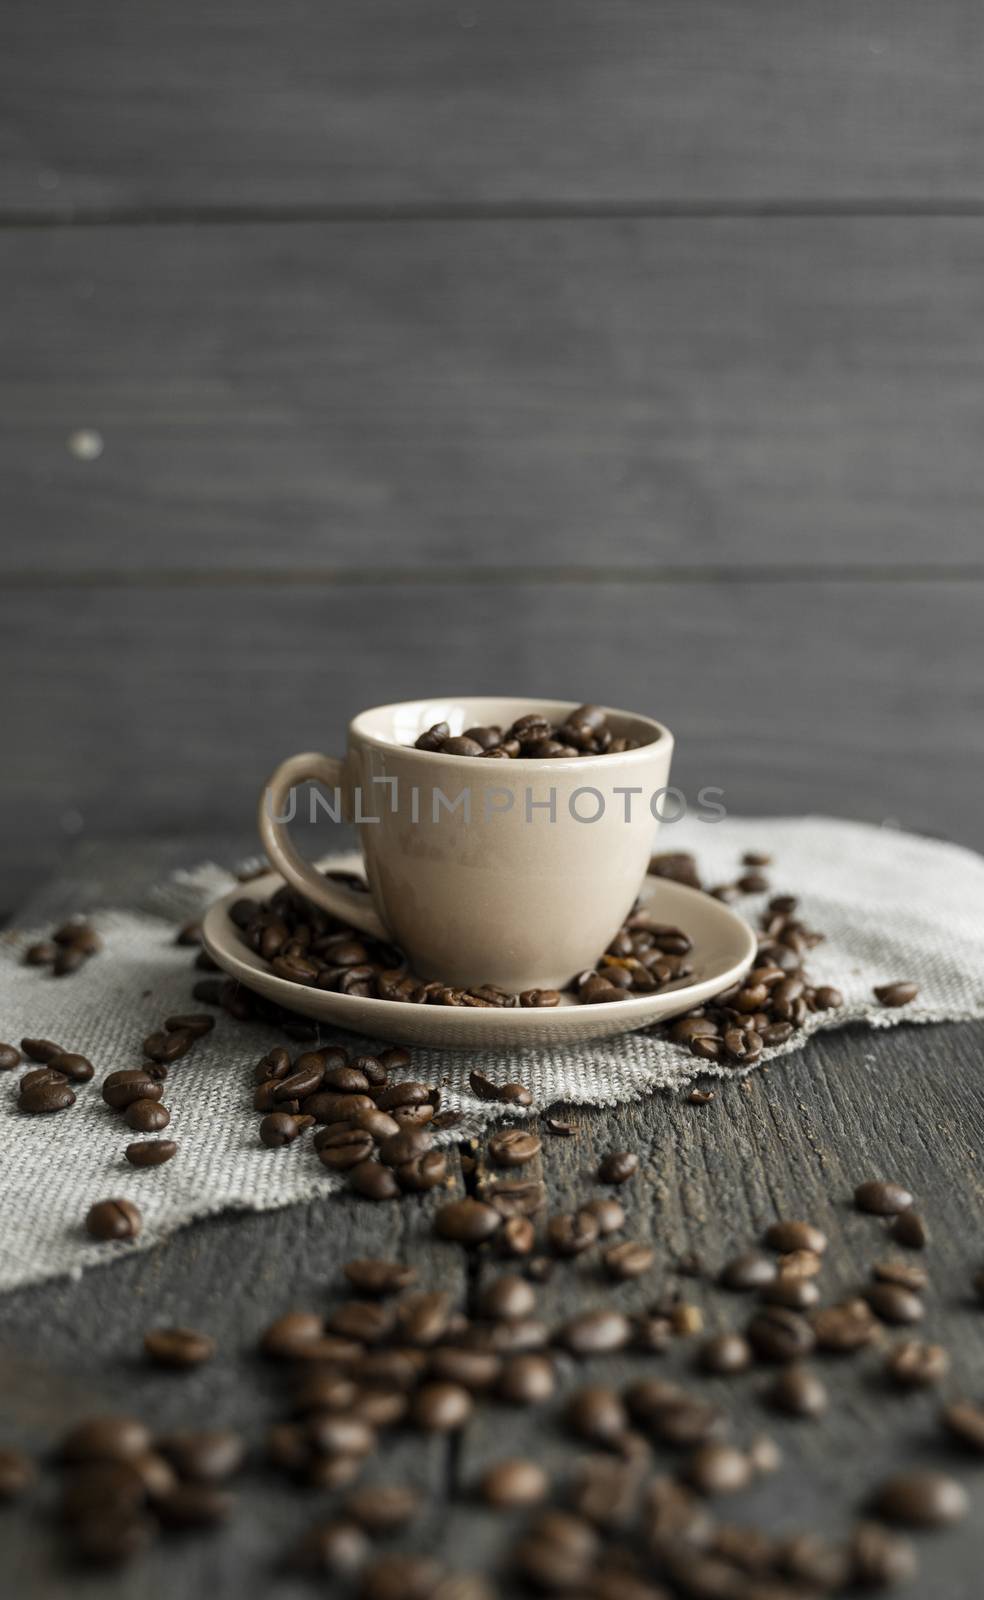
(700, 394)
(905, 1104)
(374, 102)
(145, 712)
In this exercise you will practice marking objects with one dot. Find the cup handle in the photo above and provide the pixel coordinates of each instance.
(351, 905)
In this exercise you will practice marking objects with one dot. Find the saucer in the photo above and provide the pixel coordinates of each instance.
(723, 950)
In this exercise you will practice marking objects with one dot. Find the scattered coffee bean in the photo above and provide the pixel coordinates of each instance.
(750, 1270)
(146, 1116)
(780, 1335)
(787, 1237)
(167, 1047)
(608, 1212)
(618, 1166)
(896, 994)
(879, 1558)
(45, 1095)
(332, 1549)
(10, 1057)
(279, 1129)
(150, 1152)
(964, 1421)
(76, 1068)
(41, 1050)
(373, 1181)
(893, 1303)
(910, 1275)
(798, 1294)
(571, 1233)
(106, 1438)
(371, 1276)
(121, 1088)
(844, 1327)
(921, 1499)
(798, 1392)
(725, 1353)
(882, 1199)
(629, 1259)
(596, 1332)
(512, 1147)
(441, 1407)
(467, 1221)
(915, 1365)
(526, 1379)
(113, 1219)
(909, 1229)
(719, 1469)
(178, 1347)
(508, 1297)
(514, 1484)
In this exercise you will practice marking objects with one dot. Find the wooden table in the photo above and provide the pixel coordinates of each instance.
(791, 1141)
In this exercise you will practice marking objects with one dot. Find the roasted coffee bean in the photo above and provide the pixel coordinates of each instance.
(508, 1297)
(879, 1558)
(423, 1172)
(964, 1421)
(113, 1219)
(106, 1438)
(17, 1474)
(10, 1057)
(652, 1332)
(516, 1237)
(194, 1505)
(921, 1499)
(571, 1233)
(882, 1199)
(893, 1303)
(372, 1180)
(686, 1319)
(526, 1379)
(274, 1065)
(196, 1023)
(618, 1166)
(341, 1147)
(403, 1576)
(79, 935)
(608, 1212)
(511, 1147)
(909, 1229)
(598, 1332)
(516, 1197)
(300, 1083)
(467, 1221)
(333, 1549)
(556, 1555)
(799, 1264)
(382, 1507)
(439, 1407)
(279, 1129)
(513, 1484)
(292, 1335)
(476, 1370)
(68, 960)
(408, 1093)
(146, 1116)
(717, 1468)
(629, 1259)
(597, 1414)
(725, 1353)
(45, 1095)
(98, 1488)
(150, 1152)
(121, 1088)
(798, 1392)
(205, 1455)
(404, 1146)
(40, 954)
(780, 1335)
(423, 1318)
(178, 1347)
(368, 1321)
(896, 994)
(379, 1124)
(915, 1365)
(751, 1270)
(370, 1275)
(167, 1047)
(38, 1077)
(789, 1236)
(910, 1275)
(76, 1068)
(41, 1050)
(844, 1327)
(798, 1294)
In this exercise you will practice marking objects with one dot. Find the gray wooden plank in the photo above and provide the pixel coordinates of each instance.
(791, 1142)
(140, 712)
(696, 394)
(381, 103)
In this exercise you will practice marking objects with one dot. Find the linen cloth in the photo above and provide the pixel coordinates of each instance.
(892, 906)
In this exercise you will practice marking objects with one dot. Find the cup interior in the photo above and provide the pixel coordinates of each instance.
(402, 723)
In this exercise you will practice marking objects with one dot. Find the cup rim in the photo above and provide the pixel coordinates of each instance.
(662, 737)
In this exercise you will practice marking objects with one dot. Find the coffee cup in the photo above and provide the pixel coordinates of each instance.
(516, 872)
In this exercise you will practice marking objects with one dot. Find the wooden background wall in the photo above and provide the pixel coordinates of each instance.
(631, 351)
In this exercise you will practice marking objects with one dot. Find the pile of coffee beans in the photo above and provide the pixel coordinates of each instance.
(533, 737)
(308, 946)
(68, 948)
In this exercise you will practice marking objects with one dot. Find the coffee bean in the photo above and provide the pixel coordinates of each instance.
(121, 1088)
(41, 1050)
(813, 1563)
(439, 1407)
(516, 1237)
(556, 1554)
(423, 1172)
(76, 1068)
(880, 1559)
(751, 1270)
(910, 1275)
(910, 1229)
(921, 1499)
(719, 1469)
(146, 1116)
(467, 1221)
(570, 1234)
(299, 1084)
(278, 1129)
(882, 1199)
(166, 1047)
(113, 1219)
(401, 1577)
(17, 1474)
(915, 1365)
(178, 1347)
(45, 1095)
(630, 1259)
(40, 954)
(106, 1438)
(373, 1181)
(780, 1335)
(333, 1549)
(423, 1318)
(513, 1484)
(608, 1212)
(370, 1275)
(515, 1197)
(9, 1057)
(404, 1146)
(798, 1392)
(618, 1166)
(368, 1321)
(791, 1236)
(964, 1421)
(893, 1303)
(598, 1332)
(292, 1335)
(341, 1147)
(203, 1455)
(526, 1379)
(799, 1294)
(508, 1297)
(844, 1327)
(896, 994)
(511, 1147)
(404, 1094)
(597, 1414)
(194, 1505)
(195, 1023)
(476, 1370)
(725, 1353)
(150, 1152)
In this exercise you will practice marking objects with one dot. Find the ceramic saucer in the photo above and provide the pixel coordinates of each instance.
(723, 949)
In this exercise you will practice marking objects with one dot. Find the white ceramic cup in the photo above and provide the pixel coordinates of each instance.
(516, 873)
